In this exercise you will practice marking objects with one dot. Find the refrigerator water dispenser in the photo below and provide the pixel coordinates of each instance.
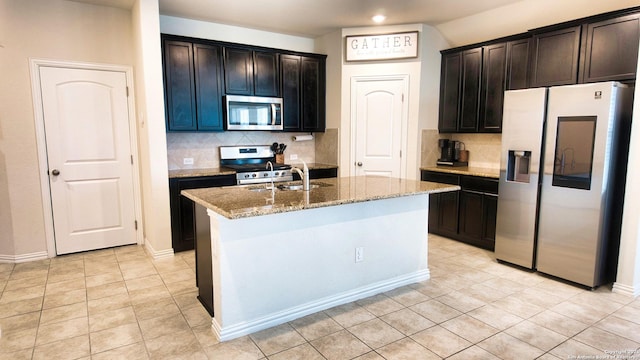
(518, 166)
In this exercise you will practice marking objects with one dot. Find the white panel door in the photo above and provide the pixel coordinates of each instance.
(379, 117)
(89, 156)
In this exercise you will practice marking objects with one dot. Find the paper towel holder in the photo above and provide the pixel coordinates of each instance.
(302, 137)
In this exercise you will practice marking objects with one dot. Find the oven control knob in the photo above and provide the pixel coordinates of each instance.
(276, 173)
(253, 175)
(265, 174)
(246, 176)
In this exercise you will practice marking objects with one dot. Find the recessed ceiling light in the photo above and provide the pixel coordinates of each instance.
(378, 18)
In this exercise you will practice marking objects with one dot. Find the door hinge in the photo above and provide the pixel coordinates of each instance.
(126, 87)
(400, 153)
(131, 159)
(402, 97)
(135, 224)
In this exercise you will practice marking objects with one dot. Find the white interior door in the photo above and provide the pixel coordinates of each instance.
(86, 122)
(379, 115)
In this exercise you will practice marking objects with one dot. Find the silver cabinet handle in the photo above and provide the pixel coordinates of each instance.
(55, 172)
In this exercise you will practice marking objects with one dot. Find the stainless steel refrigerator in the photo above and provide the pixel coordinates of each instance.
(565, 222)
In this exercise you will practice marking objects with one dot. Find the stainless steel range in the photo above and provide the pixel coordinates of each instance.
(254, 164)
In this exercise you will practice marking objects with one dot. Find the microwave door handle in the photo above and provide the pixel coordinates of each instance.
(273, 114)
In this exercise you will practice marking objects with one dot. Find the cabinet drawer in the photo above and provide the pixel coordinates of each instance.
(480, 184)
(438, 177)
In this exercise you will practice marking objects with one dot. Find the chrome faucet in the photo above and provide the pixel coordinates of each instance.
(270, 165)
(304, 175)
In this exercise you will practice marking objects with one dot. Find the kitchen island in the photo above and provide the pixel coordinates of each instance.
(267, 256)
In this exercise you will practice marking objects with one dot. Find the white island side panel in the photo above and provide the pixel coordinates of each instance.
(271, 269)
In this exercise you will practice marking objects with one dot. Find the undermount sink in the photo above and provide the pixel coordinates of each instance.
(259, 188)
(298, 186)
(293, 187)
(285, 187)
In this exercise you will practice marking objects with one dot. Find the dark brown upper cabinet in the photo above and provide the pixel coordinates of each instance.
(555, 57)
(250, 72)
(290, 74)
(193, 92)
(313, 93)
(471, 89)
(266, 73)
(180, 99)
(518, 64)
(611, 49)
(492, 88)
(208, 76)
(470, 95)
(450, 75)
(303, 92)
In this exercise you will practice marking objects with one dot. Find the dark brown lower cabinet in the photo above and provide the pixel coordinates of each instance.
(478, 218)
(183, 231)
(204, 262)
(468, 215)
(444, 220)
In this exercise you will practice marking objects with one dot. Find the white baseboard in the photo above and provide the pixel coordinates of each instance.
(281, 317)
(14, 259)
(162, 254)
(633, 291)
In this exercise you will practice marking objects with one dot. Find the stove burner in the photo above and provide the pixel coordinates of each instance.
(251, 164)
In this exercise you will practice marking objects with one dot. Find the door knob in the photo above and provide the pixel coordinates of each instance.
(55, 172)
(359, 163)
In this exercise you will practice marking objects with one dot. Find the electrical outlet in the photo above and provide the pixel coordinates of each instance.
(187, 161)
(293, 157)
(359, 254)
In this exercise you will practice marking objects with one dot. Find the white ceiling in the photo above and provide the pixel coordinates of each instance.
(313, 18)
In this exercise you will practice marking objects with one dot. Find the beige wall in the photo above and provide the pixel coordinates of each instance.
(151, 128)
(43, 29)
(422, 99)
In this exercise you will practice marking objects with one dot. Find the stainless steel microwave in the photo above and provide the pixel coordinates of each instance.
(253, 113)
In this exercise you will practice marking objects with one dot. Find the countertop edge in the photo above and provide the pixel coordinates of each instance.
(464, 170)
(289, 208)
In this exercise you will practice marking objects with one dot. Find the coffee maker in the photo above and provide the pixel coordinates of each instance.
(450, 153)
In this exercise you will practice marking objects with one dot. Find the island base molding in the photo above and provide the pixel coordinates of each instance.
(281, 317)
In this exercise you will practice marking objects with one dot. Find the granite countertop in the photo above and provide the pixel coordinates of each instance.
(226, 171)
(235, 202)
(466, 170)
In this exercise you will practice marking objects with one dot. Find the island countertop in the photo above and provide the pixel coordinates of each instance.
(235, 202)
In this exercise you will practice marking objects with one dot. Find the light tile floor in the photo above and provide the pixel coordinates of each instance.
(120, 304)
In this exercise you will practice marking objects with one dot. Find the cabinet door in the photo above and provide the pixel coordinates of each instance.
(448, 213)
(238, 71)
(183, 228)
(290, 67)
(208, 81)
(517, 64)
(179, 86)
(490, 211)
(555, 57)
(612, 49)
(470, 104)
(471, 211)
(312, 71)
(493, 86)
(434, 213)
(450, 74)
(265, 72)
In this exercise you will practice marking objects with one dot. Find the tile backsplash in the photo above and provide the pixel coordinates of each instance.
(484, 149)
(203, 147)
